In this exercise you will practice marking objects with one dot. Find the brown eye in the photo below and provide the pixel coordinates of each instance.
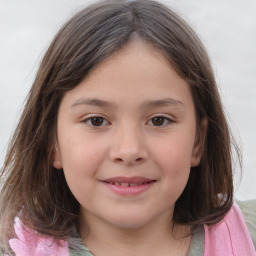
(158, 120)
(97, 121)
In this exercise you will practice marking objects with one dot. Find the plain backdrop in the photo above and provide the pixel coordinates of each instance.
(226, 27)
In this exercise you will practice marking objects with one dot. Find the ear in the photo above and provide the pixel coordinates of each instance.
(57, 160)
(199, 143)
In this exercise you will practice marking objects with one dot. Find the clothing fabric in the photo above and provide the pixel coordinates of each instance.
(229, 237)
(246, 215)
(30, 243)
(235, 235)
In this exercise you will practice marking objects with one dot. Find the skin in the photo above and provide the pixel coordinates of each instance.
(137, 84)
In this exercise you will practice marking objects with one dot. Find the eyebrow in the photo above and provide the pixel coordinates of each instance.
(163, 103)
(91, 102)
(148, 104)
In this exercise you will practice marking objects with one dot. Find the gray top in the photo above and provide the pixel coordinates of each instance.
(248, 209)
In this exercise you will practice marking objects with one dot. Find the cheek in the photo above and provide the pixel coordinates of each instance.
(82, 160)
(175, 154)
(82, 156)
(175, 165)
(174, 159)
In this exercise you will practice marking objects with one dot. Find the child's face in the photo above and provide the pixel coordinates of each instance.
(130, 121)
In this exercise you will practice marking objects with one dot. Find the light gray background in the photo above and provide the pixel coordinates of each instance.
(227, 28)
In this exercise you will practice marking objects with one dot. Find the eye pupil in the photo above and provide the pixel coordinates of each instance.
(97, 121)
(158, 121)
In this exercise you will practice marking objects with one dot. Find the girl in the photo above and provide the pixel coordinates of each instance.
(123, 147)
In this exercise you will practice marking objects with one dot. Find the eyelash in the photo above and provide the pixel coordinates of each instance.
(89, 121)
(166, 121)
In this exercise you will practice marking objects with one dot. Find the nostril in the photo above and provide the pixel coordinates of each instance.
(137, 160)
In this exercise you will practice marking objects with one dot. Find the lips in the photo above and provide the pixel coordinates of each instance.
(124, 184)
(128, 181)
(128, 185)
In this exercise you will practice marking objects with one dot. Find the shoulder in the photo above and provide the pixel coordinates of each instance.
(248, 209)
(29, 242)
(230, 236)
(78, 248)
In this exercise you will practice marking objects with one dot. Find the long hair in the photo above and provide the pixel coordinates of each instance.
(37, 192)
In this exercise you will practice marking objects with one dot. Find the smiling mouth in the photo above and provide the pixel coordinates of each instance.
(128, 181)
(129, 186)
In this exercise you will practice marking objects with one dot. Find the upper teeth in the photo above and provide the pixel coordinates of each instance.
(126, 184)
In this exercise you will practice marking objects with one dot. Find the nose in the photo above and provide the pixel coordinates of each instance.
(128, 146)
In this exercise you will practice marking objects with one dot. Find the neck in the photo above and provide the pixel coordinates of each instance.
(156, 238)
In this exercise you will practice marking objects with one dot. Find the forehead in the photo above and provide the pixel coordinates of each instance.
(137, 73)
(134, 57)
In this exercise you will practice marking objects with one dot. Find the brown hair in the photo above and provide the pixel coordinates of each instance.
(37, 192)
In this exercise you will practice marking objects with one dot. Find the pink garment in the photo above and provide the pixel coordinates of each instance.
(30, 243)
(230, 237)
